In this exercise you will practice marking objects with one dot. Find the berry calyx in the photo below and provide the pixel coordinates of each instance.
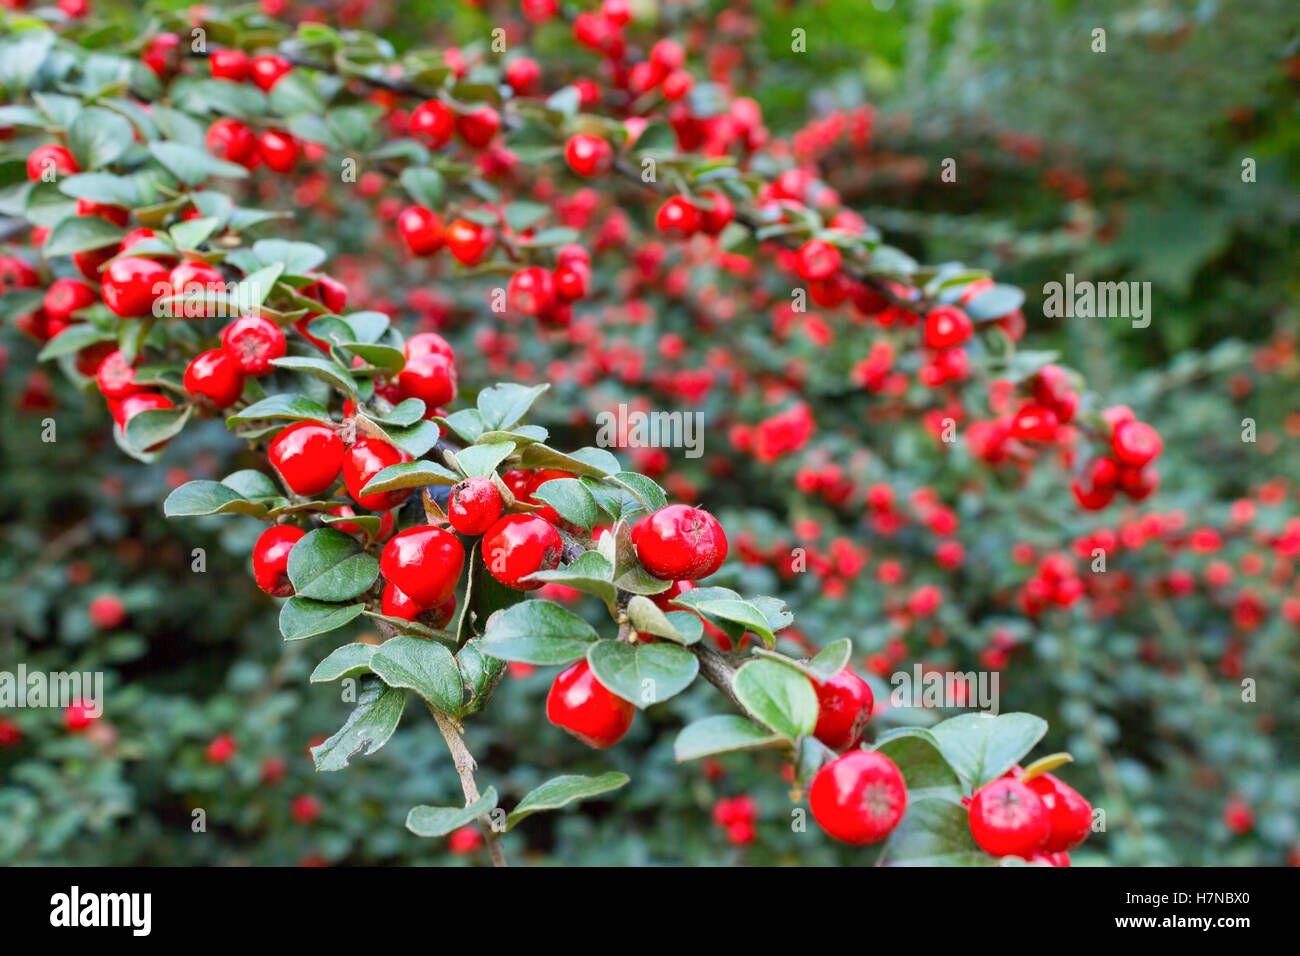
(858, 798)
(474, 505)
(583, 706)
(1007, 818)
(271, 559)
(679, 542)
(519, 545)
(308, 457)
(254, 342)
(424, 563)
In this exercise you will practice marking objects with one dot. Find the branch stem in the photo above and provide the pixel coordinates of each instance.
(465, 767)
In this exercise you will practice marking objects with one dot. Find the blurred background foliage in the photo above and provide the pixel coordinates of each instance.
(1123, 165)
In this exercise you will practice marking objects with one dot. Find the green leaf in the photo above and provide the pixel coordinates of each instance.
(483, 459)
(981, 747)
(289, 406)
(424, 185)
(404, 414)
(524, 214)
(778, 696)
(409, 474)
(934, 832)
(646, 617)
(425, 667)
(426, 821)
(329, 565)
(350, 660)
(196, 498)
(644, 489)
(327, 372)
(560, 791)
(155, 426)
(367, 326)
(726, 605)
(645, 674)
(191, 233)
(381, 356)
(480, 673)
(917, 754)
(537, 632)
(589, 572)
(543, 456)
(367, 728)
(994, 303)
(192, 165)
(832, 659)
(298, 258)
(98, 136)
(628, 572)
(302, 618)
(571, 500)
(721, 734)
(80, 233)
(73, 339)
(415, 440)
(466, 424)
(102, 187)
(503, 405)
(253, 485)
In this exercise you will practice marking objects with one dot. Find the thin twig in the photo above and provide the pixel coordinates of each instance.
(465, 767)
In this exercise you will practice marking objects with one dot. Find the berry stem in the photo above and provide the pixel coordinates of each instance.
(465, 767)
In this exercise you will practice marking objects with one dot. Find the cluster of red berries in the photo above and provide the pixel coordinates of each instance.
(235, 142)
(1129, 468)
(737, 816)
(548, 296)
(1040, 819)
(681, 217)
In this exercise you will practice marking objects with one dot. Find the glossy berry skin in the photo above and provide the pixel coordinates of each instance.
(582, 705)
(817, 259)
(117, 215)
(474, 505)
(50, 156)
(193, 280)
(66, 296)
(366, 458)
(429, 377)
(131, 406)
(535, 481)
(424, 563)
(519, 545)
(858, 798)
(947, 327)
(421, 230)
(267, 69)
(468, 241)
(433, 123)
(1007, 818)
(477, 126)
(213, 379)
(678, 217)
(679, 542)
(308, 457)
(254, 342)
(115, 377)
(130, 286)
(232, 141)
(424, 343)
(271, 559)
(588, 155)
(1069, 815)
(231, 65)
(1136, 443)
(531, 291)
(221, 749)
(844, 705)
(395, 603)
(719, 215)
(278, 150)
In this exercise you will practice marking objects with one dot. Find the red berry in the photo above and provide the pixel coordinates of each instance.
(214, 379)
(232, 65)
(478, 125)
(429, 377)
(107, 612)
(117, 215)
(77, 717)
(474, 505)
(858, 798)
(588, 155)
(1007, 818)
(47, 163)
(232, 141)
(678, 217)
(531, 291)
(517, 546)
(465, 840)
(535, 481)
(66, 296)
(130, 286)
(254, 342)
(196, 281)
(468, 241)
(220, 749)
(676, 85)
(1069, 815)
(271, 559)
(667, 55)
(365, 459)
(162, 54)
(115, 377)
(524, 75)
(680, 542)
(305, 809)
(424, 563)
(267, 69)
(817, 259)
(132, 405)
(279, 151)
(308, 457)
(1136, 443)
(583, 706)
(719, 215)
(432, 123)
(844, 705)
(947, 327)
(421, 230)
(424, 343)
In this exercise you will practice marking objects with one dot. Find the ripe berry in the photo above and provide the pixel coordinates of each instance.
(424, 563)
(844, 705)
(1136, 443)
(719, 214)
(535, 481)
(115, 377)
(308, 457)
(667, 55)
(524, 75)
(77, 717)
(517, 546)
(162, 53)
(232, 65)
(213, 378)
(271, 559)
(432, 123)
(474, 505)
(947, 327)
(424, 343)
(429, 377)
(254, 342)
(478, 125)
(66, 296)
(305, 809)
(117, 215)
(107, 612)
(1007, 818)
(131, 285)
(468, 241)
(366, 458)
(267, 69)
(194, 281)
(127, 408)
(53, 158)
(680, 542)
(1069, 815)
(583, 706)
(858, 798)
(588, 155)
(279, 151)
(232, 141)
(531, 291)
(220, 749)
(421, 230)
(678, 217)
(817, 259)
